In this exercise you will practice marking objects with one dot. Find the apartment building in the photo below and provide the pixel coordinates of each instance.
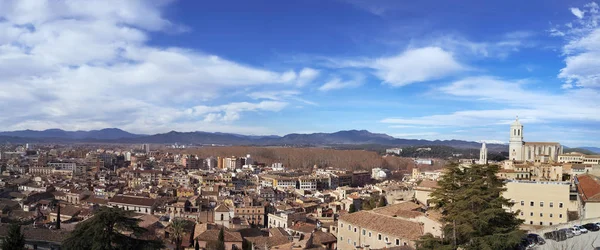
(254, 214)
(285, 219)
(543, 203)
(133, 203)
(390, 226)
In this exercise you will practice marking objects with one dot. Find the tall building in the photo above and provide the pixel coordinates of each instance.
(520, 150)
(544, 203)
(483, 154)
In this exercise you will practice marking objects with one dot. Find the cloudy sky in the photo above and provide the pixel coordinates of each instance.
(411, 69)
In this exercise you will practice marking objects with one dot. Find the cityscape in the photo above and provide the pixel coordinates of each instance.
(333, 125)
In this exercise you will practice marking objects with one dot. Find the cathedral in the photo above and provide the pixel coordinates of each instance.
(520, 150)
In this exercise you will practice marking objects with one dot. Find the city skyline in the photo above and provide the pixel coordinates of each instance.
(424, 70)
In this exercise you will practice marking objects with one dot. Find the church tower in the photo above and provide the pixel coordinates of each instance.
(483, 155)
(515, 147)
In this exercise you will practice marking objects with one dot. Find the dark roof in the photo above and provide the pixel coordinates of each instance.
(213, 235)
(38, 234)
(132, 200)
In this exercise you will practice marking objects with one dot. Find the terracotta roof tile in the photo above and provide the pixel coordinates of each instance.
(589, 188)
(393, 226)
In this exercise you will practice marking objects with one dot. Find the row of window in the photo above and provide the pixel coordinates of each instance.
(531, 204)
(364, 233)
(542, 215)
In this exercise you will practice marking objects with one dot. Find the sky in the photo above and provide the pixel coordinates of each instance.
(411, 69)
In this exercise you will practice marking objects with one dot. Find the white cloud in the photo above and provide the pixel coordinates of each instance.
(88, 65)
(530, 106)
(582, 48)
(338, 83)
(417, 65)
(577, 12)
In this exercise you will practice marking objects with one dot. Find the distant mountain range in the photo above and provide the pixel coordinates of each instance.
(103, 134)
(348, 137)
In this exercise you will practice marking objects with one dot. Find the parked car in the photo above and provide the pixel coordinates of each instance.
(591, 227)
(537, 239)
(568, 232)
(525, 244)
(582, 229)
(576, 231)
(558, 235)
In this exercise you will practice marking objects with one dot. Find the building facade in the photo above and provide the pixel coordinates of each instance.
(540, 203)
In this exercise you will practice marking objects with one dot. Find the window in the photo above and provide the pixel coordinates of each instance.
(369, 234)
(531, 203)
(550, 223)
(521, 213)
(341, 238)
(550, 215)
(530, 222)
(522, 203)
(379, 236)
(349, 228)
(364, 232)
(559, 215)
(386, 239)
(348, 241)
(560, 205)
(397, 242)
(531, 214)
(341, 224)
(541, 204)
(541, 215)
(355, 229)
(541, 223)
(551, 204)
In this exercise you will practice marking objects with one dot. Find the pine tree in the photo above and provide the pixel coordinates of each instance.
(473, 210)
(221, 242)
(103, 232)
(58, 216)
(382, 202)
(197, 247)
(15, 240)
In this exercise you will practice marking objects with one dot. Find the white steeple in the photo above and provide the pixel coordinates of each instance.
(483, 154)
(516, 141)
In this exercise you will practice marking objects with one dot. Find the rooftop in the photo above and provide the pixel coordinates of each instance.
(589, 188)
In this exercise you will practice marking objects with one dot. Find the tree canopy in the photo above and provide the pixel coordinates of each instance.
(15, 240)
(473, 211)
(110, 228)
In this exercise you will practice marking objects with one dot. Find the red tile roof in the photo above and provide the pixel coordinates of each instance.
(589, 188)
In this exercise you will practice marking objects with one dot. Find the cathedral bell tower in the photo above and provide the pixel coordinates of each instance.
(516, 141)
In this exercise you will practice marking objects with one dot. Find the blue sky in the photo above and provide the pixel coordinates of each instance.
(411, 69)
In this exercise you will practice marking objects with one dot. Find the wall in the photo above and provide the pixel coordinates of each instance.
(538, 192)
(349, 236)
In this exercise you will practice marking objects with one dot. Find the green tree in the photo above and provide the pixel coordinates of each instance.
(247, 245)
(352, 208)
(15, 240)
(110, 228)
(382, 202)
(221, 241)
(177, 231)
(473, 210)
